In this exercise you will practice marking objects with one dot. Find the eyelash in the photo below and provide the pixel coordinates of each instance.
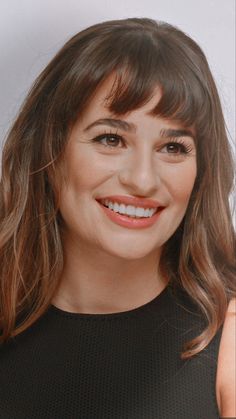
(184, 149)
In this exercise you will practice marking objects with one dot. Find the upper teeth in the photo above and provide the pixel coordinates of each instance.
(129, 209)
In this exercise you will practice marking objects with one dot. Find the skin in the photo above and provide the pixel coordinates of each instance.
(109, 268)
(226, 370)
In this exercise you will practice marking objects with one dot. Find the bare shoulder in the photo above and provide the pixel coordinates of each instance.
(226, 370)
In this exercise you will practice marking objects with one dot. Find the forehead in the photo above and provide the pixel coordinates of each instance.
(99, 107)
(101, 99)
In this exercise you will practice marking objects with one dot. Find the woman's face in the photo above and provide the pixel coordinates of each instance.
(119, 157)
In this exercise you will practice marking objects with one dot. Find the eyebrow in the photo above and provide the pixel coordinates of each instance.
(114, 123)
(175, 133)
(130, 127)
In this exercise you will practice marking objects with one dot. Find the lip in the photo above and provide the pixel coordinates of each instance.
(131, 200)
(129, 222)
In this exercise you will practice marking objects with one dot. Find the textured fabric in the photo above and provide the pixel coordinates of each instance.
(103, 366)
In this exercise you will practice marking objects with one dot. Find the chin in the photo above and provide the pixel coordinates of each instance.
(132, 253)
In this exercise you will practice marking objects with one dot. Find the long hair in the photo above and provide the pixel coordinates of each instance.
(142, 54)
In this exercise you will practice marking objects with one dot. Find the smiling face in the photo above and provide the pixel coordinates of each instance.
(136, 155)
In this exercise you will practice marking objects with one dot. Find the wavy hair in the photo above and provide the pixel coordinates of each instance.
(142, 53)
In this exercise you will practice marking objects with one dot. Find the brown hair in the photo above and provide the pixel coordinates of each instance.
(142, 53)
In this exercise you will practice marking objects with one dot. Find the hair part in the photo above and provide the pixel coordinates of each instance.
(200, 256)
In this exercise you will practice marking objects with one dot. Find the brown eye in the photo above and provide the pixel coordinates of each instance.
(176, 148)
(108, 140)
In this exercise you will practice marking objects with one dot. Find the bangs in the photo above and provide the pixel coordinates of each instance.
(143, 67)
(142, 57)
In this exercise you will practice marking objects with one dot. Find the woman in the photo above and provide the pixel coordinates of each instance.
(117, 244)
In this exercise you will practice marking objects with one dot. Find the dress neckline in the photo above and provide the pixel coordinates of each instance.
(108, 316)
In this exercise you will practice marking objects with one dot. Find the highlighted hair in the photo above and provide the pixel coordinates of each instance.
(142, 54)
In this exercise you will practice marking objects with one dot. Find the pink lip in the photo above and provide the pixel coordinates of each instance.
(131, 200)
(128, 222)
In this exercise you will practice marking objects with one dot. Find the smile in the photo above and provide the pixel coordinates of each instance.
(129, 210)
(130, 216)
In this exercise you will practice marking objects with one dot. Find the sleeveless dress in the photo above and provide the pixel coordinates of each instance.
(111, 366)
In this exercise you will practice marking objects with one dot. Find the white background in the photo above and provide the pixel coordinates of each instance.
(31, 31)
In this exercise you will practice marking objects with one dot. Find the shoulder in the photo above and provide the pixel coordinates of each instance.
(226, 370)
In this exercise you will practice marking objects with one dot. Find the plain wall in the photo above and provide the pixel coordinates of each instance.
(31, 31)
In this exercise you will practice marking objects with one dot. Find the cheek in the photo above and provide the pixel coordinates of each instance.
(182, 189)
(180, 182)
(80, 174)
(86, 169)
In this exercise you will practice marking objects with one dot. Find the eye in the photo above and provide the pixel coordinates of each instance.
(176, 148)
(108, 140)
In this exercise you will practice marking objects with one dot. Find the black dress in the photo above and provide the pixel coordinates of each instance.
(111, 366)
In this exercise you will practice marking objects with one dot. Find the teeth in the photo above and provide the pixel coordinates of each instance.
(130, 210)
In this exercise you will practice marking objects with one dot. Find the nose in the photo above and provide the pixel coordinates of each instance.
(140, 174)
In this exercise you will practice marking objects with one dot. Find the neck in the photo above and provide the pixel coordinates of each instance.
(95, 282)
